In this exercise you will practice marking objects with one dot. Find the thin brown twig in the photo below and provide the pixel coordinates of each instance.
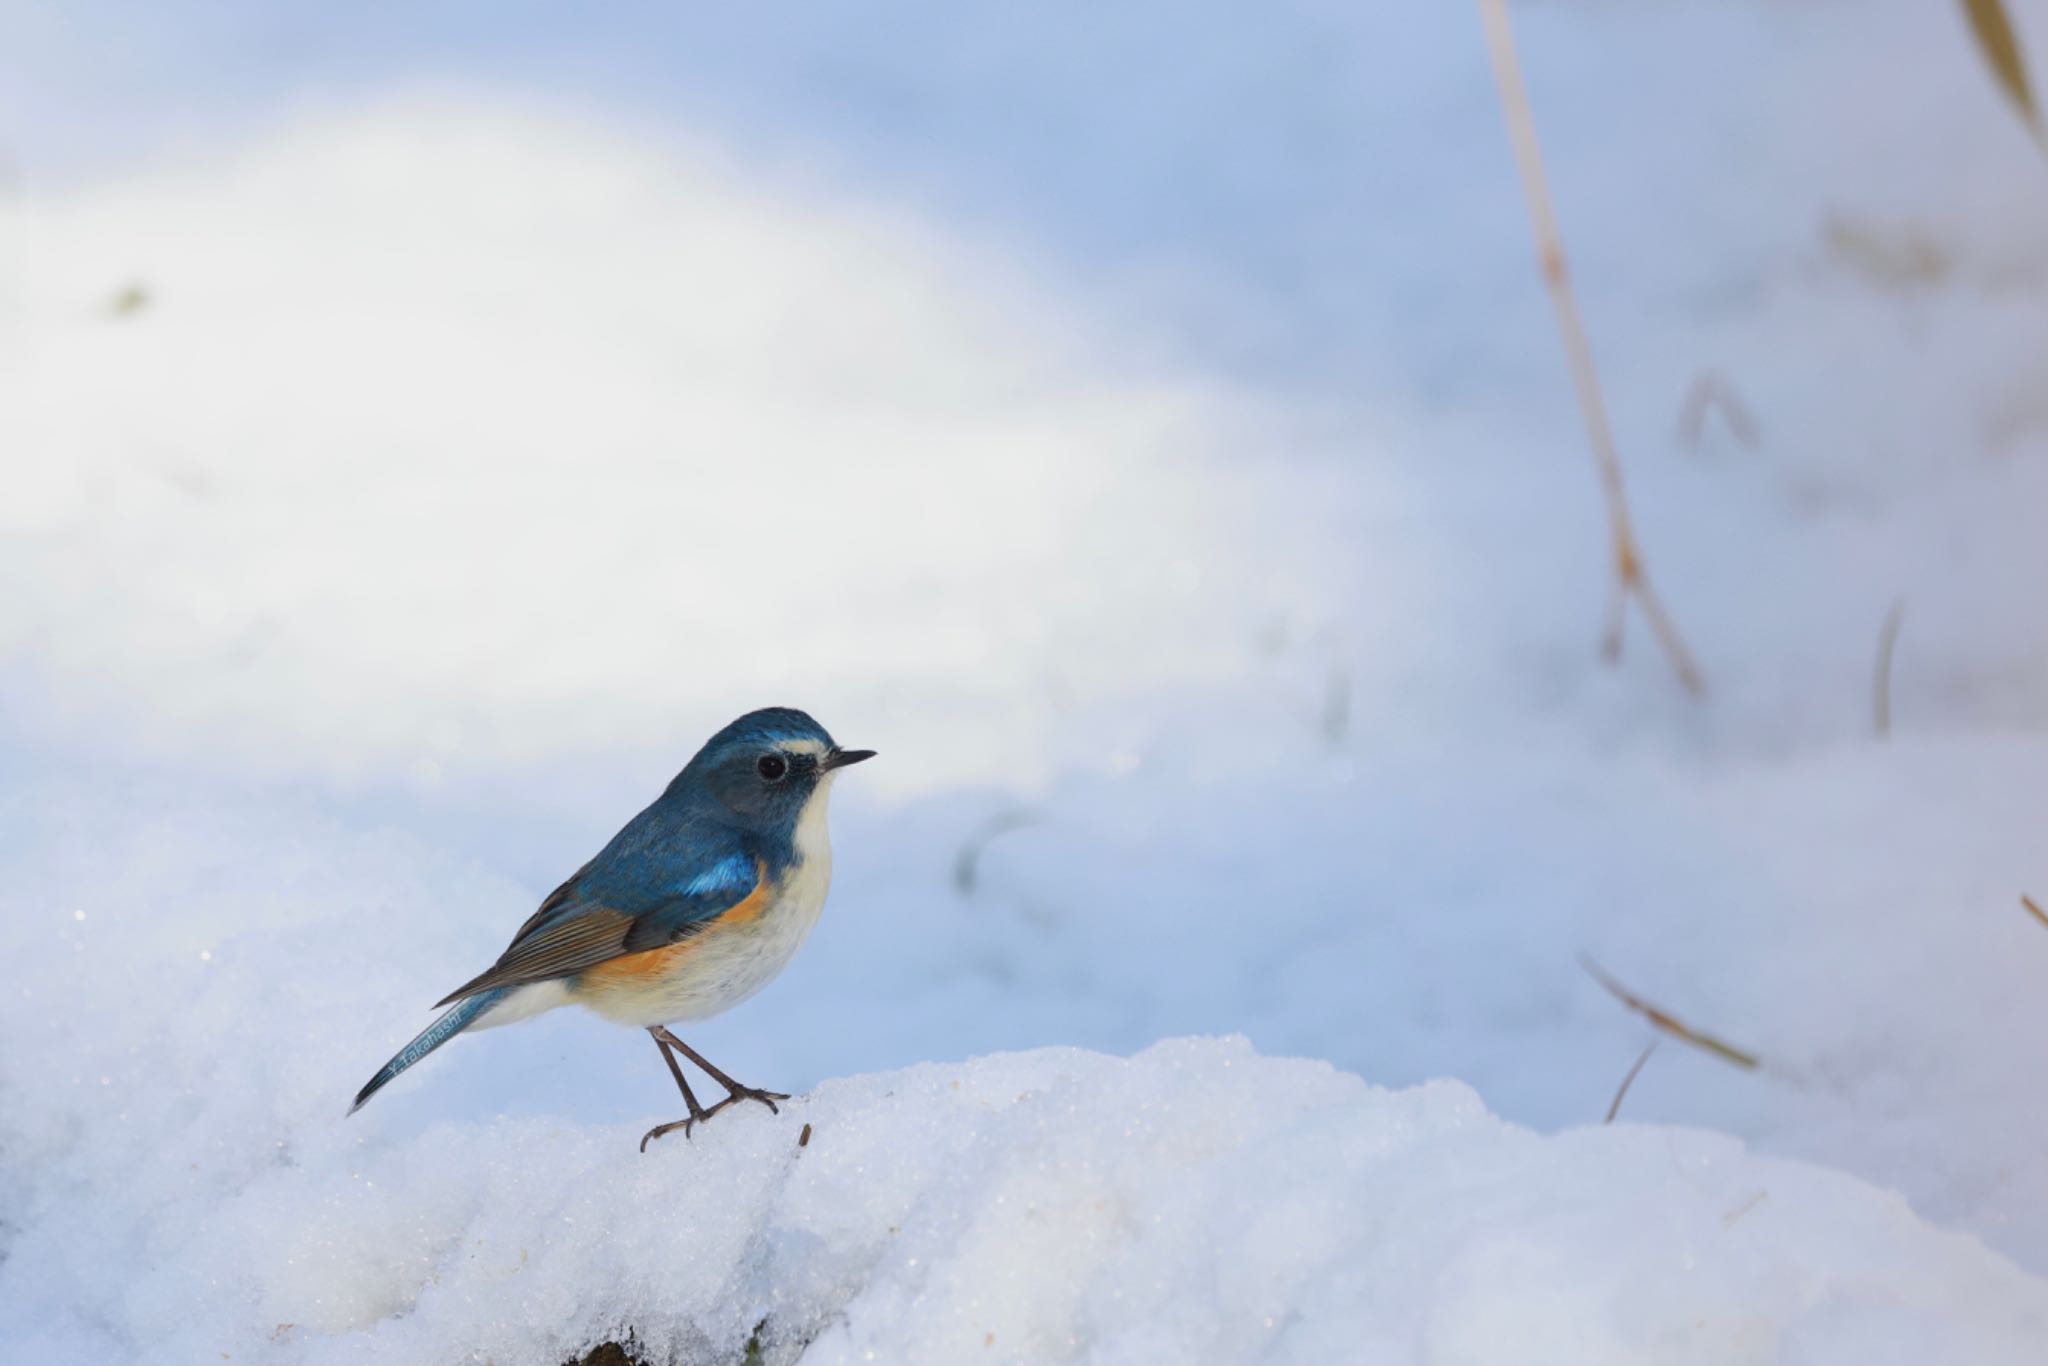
(2034, 908)
(1713, 389)
(1614, 1108)
(1999, 42)
(1630, 576)
(1729, 1219)
(1881, 679)
(1670, 1023)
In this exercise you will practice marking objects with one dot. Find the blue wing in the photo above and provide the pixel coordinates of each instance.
(661, 879)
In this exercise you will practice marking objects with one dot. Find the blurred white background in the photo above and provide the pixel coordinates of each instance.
(1147, 429)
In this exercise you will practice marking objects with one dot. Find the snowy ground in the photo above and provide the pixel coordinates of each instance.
(1195, 1203)
(461, 458)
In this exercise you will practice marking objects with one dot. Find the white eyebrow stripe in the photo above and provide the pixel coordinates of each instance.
(811, 747)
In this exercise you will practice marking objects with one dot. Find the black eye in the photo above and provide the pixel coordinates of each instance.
(772, 767)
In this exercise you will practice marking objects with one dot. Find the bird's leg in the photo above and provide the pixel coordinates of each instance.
(734, 1090)
(675, 1070)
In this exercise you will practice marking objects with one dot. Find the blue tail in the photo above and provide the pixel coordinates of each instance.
(453, 1021)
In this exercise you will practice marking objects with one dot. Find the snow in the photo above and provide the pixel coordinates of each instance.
(1196, 1201)
(474, 452)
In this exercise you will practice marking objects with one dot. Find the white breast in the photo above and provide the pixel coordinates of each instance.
(726, 964)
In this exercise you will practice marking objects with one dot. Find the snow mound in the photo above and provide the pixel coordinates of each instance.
(1194, 1203)
(201, 986)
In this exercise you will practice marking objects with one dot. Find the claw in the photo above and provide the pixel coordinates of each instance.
(658, 1130)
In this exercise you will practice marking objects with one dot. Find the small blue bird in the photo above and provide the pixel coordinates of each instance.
(693, 907)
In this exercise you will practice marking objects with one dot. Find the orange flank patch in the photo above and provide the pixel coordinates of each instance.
(754, 906)
(631, 969)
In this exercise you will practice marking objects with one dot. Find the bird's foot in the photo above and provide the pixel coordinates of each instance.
(767, 1098)
(684, 1124)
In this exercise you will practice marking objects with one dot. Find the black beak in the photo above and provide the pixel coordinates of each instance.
(840, 758)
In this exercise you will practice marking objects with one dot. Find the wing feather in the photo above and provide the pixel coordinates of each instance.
(580, 926)
(590, 936)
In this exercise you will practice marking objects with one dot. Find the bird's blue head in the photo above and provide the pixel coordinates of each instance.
(764, 768)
